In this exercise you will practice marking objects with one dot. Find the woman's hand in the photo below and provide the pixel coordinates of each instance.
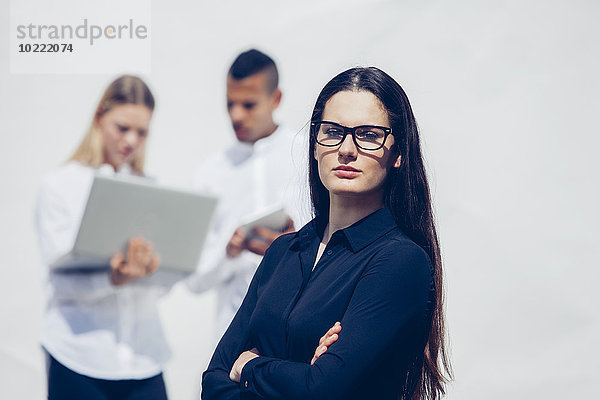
(327, 340)
(141, 261)
(236, 371)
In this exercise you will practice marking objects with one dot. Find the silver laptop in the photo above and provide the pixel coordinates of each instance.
(118, 208)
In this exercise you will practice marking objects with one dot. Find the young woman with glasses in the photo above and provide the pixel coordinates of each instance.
(101, 331)
(366, 271)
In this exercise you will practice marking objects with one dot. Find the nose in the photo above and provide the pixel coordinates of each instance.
(236, 113)
(131, 138)
(347, 148)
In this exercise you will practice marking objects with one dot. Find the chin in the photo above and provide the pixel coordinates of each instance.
(120, 162)
(353, 188)
(243, 136)
(346, 187)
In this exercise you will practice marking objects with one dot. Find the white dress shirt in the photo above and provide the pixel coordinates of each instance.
(90, 326)
(247, 178)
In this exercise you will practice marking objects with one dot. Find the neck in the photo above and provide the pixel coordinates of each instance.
(346, 210)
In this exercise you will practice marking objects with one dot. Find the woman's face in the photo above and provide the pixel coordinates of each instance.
(347, 170)
(124, 129)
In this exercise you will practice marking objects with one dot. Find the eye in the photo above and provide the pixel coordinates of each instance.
(333, 131)
(142, 133)
(122, 128)
(248, 105)
(370, 133)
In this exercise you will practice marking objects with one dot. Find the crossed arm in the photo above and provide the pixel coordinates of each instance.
(326, 340)
(369, 337)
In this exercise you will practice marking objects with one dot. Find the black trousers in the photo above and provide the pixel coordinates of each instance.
(64, 384)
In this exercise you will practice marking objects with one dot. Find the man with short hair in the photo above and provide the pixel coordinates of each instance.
(252, 96)
(258, 172)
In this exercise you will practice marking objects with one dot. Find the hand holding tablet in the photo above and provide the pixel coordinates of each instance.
(258, 231)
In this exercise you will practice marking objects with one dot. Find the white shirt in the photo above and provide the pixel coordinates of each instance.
(91, 326)
(247, 178)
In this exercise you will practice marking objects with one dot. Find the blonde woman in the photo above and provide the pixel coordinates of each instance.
(101, 331)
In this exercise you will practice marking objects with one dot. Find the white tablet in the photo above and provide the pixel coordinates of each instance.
(177, 223)
(274, 218)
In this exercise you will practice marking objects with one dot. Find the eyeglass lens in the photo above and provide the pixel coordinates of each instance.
(366, 137)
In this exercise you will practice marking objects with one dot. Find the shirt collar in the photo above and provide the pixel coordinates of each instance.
(241, 151)
(365, 231)
(359, 235)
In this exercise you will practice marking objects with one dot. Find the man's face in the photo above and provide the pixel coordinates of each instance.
(251, 106)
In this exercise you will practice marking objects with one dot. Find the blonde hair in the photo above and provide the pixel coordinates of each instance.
(126, 89)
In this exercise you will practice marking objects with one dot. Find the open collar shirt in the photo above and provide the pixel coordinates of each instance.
(371, 277)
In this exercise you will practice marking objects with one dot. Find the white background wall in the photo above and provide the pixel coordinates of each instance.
(506, 96)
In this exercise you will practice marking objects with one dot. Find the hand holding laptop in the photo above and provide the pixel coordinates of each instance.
(141, 261)
(119, 208)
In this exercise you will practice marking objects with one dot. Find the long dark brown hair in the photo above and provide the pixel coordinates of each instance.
(407, 196)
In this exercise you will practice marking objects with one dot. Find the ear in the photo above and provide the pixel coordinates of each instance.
(315, 153)
(276, 96)
(398, 161)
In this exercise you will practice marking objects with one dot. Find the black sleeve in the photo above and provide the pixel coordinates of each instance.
(389, 303)
(215, 380)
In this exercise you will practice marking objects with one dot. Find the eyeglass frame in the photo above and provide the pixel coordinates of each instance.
(386, 130)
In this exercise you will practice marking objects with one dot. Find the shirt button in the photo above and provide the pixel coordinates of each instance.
(329, 252)
(246, 384)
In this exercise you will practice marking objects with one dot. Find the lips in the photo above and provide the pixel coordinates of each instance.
(239, 129)
(346, 172)
(345, 168)
(125, 153)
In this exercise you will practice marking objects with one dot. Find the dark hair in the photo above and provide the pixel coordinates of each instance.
(406, 194)
(252, 62)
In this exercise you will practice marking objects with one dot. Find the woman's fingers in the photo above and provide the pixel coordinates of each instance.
(141, 257)
(238, 365)
(318, 352)
(154, 263)
(327, 340)
(324, 343)
(116, 261)
(141, 261)
(330, 340)
(140, 253)
(336, 328)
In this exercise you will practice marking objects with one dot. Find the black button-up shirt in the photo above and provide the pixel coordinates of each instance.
(371, 277)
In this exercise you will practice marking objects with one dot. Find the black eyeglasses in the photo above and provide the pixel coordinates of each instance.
(366, 137)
